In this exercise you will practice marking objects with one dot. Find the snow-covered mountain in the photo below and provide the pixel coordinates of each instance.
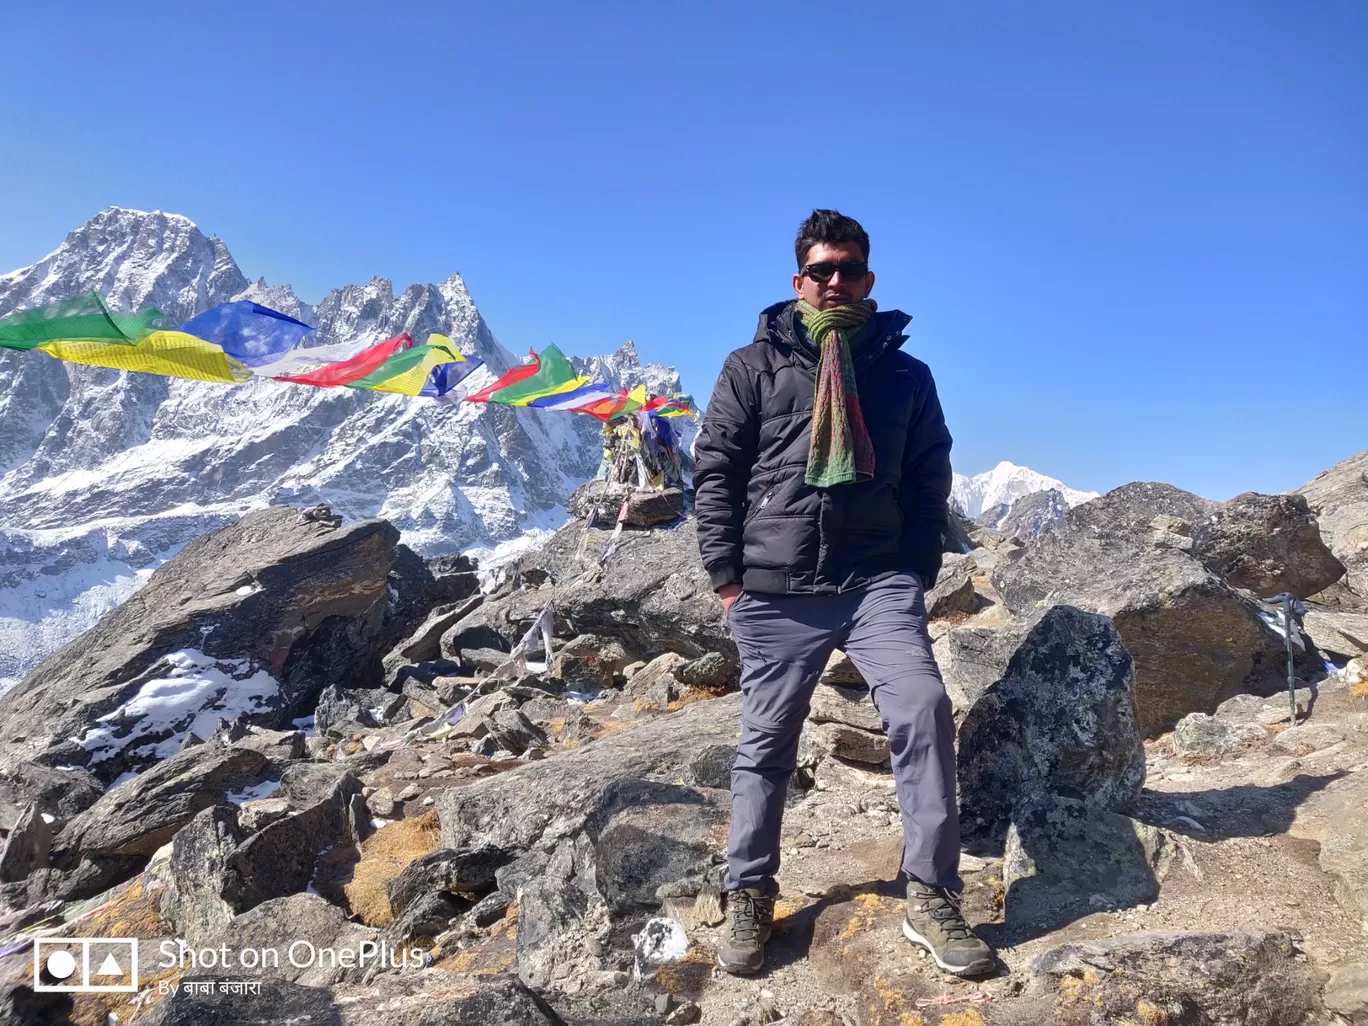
(104, 475)
(1003, 485)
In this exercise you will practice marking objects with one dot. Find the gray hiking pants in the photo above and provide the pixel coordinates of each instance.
(784, 642)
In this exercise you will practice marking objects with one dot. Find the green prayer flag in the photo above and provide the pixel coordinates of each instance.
(555, 372)
(84, 317)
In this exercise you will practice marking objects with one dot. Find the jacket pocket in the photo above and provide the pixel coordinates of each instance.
(759, 507)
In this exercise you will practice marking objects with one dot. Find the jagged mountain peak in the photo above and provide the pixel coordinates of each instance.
(103, 475)
(135, 258)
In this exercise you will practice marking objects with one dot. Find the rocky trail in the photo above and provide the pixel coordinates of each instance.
(303, 739)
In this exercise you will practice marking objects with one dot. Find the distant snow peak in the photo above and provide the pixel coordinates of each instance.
(1003, 485)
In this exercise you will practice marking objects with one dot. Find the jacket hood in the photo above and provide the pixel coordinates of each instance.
(777, 327)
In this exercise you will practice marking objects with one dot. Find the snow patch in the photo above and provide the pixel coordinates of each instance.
(196, 692)
(251, 794)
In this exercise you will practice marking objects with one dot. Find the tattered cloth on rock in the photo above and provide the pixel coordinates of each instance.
(641, 450)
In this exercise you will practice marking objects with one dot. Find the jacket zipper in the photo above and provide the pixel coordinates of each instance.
(764, 501)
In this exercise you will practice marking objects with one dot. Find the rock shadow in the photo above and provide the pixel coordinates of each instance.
(1245, 810)
(1063, 861)
(795, 940)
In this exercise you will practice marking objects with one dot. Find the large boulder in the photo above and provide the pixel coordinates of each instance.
(141, 814)
(598, 834)
(1267, 544)
(1061, 722)
(602, 502)
(249, 621)
(1195, 640)
(1339, 498)
(650, 595)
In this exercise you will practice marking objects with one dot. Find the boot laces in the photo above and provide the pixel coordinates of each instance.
(746, 913)
(943, 906)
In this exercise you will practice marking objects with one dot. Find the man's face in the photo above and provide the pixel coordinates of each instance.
(838, 290)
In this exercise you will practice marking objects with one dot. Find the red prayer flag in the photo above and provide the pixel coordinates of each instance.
(356, 368)
(514, 376)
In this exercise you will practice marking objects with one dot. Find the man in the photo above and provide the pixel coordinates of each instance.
(822, 478)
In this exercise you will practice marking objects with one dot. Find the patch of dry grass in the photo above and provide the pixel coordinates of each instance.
(383, 857)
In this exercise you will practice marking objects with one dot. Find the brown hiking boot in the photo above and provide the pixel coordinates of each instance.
(935, 922)
(750, 914)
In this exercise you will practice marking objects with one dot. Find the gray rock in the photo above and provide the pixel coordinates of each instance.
(342, 710)
(513, 732)
(647, 835)
(281, 747)
(424, 645)
(1198, 735)
(644, 508)
(973, 657)
(308, 783)
(470, 633)
(1337, 632)
(200, 853)
(1237, 979)
(428, 915)
(848, 705)
(1333, 817)
(1060, 722)
(468, 872)
(20, 1005)
(137, 817)
(279, 859)
(298, 919)
(710, 670)
(1064, 859)
(1346, 994)
(652, 595)
(1195, 640)
(1028, 516)
(27, 846)
(281, 606)
(1168, 532)
(254, 815)
(823, 740)
(541, 711)
(659, 669)
(1267, 544)
(1339, 499)
(840, 671)
(482, 660)
(1305, 738)
(598, 830)
(954, 591)
(60, 793)
(712, 765)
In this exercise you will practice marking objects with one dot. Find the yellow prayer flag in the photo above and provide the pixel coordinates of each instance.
(169, 353)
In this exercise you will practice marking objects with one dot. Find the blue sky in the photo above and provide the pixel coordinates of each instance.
(1133, 236)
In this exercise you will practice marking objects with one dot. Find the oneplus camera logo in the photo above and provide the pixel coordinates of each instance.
(86, 964)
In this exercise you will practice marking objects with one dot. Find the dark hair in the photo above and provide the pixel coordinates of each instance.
(830, 227)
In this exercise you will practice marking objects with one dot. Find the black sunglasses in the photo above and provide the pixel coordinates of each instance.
(823, 273)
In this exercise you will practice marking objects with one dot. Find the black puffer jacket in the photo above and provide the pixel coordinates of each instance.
(760, 524)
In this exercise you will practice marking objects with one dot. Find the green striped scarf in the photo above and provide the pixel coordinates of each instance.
(841, 451)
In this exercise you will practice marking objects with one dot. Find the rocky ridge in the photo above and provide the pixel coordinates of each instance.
(542, 831)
